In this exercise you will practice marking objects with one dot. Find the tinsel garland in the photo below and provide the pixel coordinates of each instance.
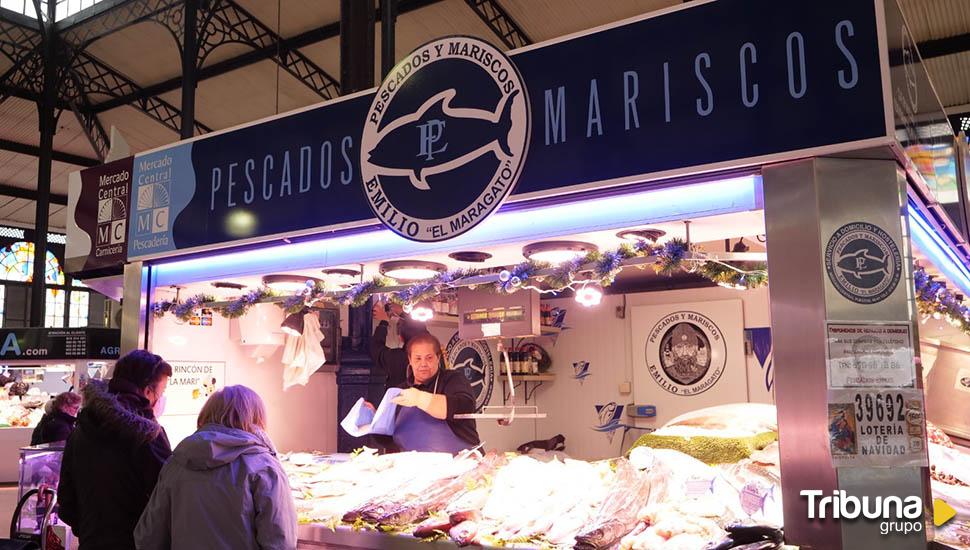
(933, 299)
(358, 294)
(670, 256)
(753, 275)
(511, 280)
(428, 289)
(605, 267)
(239, 306)
(185, 310)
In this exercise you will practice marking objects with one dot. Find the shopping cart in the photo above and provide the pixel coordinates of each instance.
(34, 533)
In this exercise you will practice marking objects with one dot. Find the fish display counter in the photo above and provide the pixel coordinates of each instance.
(653, 497)
(950, 481)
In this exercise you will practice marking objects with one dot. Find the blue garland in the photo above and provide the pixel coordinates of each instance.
(934, 299)
(185, 310)
(511, 280)
(239, 306)
(605, 267)
(670, 256)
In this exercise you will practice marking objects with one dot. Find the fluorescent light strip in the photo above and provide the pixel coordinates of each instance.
(741, 194)
(942, 255)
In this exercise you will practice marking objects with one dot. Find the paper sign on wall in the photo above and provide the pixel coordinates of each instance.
(867, 355)
(881, 428)
(191, 384)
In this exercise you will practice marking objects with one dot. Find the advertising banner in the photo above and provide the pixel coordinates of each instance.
(59, 343)
(459, 126)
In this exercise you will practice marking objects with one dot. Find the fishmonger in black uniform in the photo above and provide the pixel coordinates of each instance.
(427, 406)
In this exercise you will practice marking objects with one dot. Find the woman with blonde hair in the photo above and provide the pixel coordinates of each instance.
(223, 486)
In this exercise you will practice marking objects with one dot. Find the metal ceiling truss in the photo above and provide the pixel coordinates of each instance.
(96, 77)
(225, 22)
(501, 23)
(81, 33)
(222, 22)
(310, 37)
(24, 79)
(81, 107)
(18, 39)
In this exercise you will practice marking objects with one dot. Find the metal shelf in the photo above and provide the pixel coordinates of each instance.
(524, 380)
(533, 377)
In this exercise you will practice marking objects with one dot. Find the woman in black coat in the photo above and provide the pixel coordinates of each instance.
(58, 422)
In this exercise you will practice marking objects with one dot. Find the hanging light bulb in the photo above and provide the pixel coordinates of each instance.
(421, 313)
(590, 295)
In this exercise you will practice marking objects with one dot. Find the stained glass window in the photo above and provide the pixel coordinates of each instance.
(17, 264)
(78, 315)
(54, 317)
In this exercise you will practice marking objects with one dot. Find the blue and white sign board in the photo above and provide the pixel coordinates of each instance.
(459, 126)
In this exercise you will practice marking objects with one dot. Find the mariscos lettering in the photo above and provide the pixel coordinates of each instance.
(655, 97)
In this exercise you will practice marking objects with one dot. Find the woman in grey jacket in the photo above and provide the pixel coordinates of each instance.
(223, 488)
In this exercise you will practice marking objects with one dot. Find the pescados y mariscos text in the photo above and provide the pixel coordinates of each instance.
(316, 167)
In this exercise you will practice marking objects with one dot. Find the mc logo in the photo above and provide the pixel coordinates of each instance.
(153, 221)
(111, 233)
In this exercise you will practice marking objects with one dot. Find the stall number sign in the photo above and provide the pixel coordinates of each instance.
(191, 384)
(867, 355)
(882, 428)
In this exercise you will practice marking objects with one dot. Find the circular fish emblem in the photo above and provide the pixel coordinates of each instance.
(445, 139)
(686, 353)
(863, 263)
(474, 360)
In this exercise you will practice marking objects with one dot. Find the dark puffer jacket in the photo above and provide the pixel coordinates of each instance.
(53, 426)
(110, 466)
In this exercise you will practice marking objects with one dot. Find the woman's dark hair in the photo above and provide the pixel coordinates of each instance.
(424, 338)
(142, 368)
(66, 399)
(409, 328)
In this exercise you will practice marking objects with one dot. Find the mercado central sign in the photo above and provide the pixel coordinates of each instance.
(733, 81)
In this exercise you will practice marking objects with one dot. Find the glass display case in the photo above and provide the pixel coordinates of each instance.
(40, 468)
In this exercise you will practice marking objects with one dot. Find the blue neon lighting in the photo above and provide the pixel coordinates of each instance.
(739, 194)
(941, 254)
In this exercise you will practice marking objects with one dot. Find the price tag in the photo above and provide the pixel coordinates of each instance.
(490, 330)
(878, 427)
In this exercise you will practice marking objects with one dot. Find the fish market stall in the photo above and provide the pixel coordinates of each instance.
(591, 249)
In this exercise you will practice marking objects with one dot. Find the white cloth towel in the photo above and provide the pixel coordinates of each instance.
(303, 354)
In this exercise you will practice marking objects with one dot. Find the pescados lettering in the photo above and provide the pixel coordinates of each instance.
(748, 91)
(282, 174)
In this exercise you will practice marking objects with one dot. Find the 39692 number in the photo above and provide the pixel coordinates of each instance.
(881, 407)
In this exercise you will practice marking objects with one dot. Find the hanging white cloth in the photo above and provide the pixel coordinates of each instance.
(393, 340)
(303, 354)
